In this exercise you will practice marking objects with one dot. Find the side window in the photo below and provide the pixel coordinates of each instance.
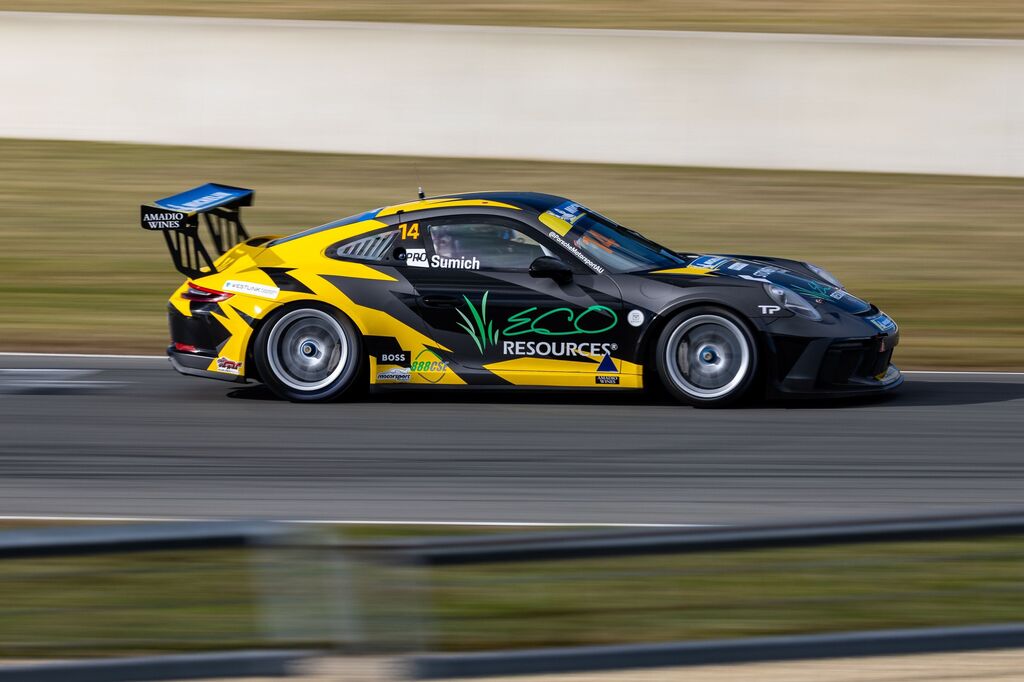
(469, 244)
(372, 248)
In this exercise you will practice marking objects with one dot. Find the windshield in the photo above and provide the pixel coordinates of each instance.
(616, 247)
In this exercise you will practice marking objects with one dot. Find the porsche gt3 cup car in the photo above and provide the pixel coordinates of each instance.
(503, 289)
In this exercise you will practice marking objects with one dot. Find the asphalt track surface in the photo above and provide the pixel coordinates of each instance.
(130, 437)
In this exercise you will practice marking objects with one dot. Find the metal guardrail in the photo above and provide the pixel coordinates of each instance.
(392, 562)
(79, 551)
(224, 664)
(502, 549)
(550, 547)
(729, 651)
(83, 540)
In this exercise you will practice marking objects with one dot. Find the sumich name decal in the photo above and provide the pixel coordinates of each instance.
(417, 258)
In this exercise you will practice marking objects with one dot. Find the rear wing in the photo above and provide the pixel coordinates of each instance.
(178, 218)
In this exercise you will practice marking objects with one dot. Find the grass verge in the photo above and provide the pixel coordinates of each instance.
(941, 254)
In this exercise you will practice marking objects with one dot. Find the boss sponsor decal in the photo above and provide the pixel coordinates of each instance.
(606, 380)
(251, 288)
(429, 365)
(559, 349)
(595, 319)
(162, 220)
(576, 252)
(399, 374)
(400, 358)
(229, 366)
(709, 262)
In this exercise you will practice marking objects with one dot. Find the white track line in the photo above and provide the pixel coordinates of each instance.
(161, 357)
(353, 522)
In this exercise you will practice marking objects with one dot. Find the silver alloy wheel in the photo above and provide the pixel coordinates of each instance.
(307, 349)
(707, 356)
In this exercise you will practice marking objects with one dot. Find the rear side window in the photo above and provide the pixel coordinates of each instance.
(372, 248)
(473, 245)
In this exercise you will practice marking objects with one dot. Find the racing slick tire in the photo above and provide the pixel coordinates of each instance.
(706, 357)
(309, 354)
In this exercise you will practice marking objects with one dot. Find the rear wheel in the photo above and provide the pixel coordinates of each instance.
(707, 357)
(308, 354)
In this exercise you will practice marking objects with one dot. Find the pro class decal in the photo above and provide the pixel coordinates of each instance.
(417, 258)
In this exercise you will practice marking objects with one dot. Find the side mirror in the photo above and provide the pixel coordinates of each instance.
(551, 267)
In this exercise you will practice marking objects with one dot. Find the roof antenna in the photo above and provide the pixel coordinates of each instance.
(419, 181)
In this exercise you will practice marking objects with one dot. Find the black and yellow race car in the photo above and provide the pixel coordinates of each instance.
(503, 289)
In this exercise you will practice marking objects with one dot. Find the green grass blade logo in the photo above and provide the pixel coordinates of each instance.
(480, 328)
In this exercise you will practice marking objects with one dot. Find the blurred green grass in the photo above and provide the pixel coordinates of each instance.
(941, 254)
(186, 600)
(983, 18)
(723, 594)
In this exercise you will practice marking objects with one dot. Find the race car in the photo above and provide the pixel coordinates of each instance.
(503, 289)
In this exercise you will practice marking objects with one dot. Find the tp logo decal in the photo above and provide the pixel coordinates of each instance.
(769, 309)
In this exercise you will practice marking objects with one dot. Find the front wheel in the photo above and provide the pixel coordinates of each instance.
(308, 354)
(707, 357)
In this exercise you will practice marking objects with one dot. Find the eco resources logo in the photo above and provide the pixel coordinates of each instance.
(563, 321)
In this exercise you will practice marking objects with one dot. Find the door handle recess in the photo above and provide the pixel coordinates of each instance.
(439, 301)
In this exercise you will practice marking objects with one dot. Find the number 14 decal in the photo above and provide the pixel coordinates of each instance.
(410, 231)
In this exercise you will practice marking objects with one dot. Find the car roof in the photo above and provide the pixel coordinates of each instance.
(532, 201)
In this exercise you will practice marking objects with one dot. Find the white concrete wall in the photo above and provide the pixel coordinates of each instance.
(707, 99)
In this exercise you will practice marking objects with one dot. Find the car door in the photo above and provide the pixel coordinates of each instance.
(499, 324)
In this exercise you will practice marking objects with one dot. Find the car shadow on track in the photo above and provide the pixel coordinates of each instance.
(911, 394)
(496, 396)
(921, 394)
